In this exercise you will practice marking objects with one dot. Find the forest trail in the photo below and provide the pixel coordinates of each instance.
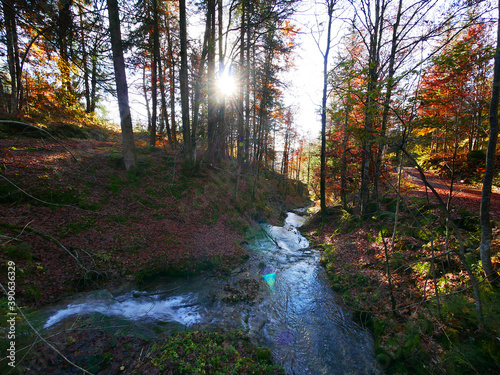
(465, 196)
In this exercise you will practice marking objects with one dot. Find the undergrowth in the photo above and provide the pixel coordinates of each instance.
(205, 352)
(418, 336)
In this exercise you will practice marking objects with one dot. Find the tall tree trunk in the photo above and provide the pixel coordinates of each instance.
(246, 84)
(93, 81)
(12, 55)
(371, 102)
(154, 74)
(322, 186)
(85, 58)
(189, 146)
(241, 104)
(199, 69)
(146, 97)
(129, 155)
(259, 148)
(172, 85)
(211, 92)
(486, 234)
(164, 112)
(221, 136)
(343, 173)
(154, 102)
(64, 35)
(387, 101)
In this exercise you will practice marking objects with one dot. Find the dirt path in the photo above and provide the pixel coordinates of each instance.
(464, 196)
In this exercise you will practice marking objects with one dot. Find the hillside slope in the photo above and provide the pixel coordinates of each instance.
(72, 217)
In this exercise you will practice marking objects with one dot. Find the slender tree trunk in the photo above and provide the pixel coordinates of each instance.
(3, 105)
(146, 97)
(284, 163)
(156, 30)
(371, 103)
(64, 34)
(263, 115)
(387, 101)
(241, 104)
(199, 69)
(164, 112)
(129, 155)
(322, 188)
(154, 74)
(247, 95)
(450, 191)
(12, 55)
(388, 272)
(343, 173)
(172, 85)
(189, 146)
(486, 233)
(309, 165)
(85, 64)
(93, 81)
(435, 279)
(221, 136)
(154, 102)
(212, 100)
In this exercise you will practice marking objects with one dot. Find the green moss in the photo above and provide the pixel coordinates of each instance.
(239, 224)
(66, 195)
(115, 184)
(32, 293)
(84, 223)
(18, 251)
(200, 352)
(118, 219)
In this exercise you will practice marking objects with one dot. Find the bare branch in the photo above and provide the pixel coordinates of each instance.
(41, 200)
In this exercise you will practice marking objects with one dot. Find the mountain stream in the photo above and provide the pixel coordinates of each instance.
(281, 297)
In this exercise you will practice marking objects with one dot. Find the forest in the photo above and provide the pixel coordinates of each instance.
(146, 140)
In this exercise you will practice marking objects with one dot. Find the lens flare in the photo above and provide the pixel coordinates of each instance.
(270, 279)
(226, 84)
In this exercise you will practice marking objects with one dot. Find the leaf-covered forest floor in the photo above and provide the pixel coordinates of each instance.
(413, 337)
(72, 219)
(111, 224)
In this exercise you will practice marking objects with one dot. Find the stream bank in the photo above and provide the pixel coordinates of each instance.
(86, 221)
(280, 299)
(89, 225)
(411, 338)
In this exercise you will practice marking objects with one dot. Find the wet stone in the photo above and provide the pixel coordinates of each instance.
(242, 290)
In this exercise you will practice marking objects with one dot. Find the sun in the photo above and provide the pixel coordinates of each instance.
(226, 84)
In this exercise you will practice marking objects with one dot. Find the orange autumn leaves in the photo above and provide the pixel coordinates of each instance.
(454, 92)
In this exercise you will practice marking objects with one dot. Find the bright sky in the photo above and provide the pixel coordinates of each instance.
(304, 81)
(305, 90)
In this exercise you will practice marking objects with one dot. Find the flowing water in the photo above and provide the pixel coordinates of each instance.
(281, 296)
